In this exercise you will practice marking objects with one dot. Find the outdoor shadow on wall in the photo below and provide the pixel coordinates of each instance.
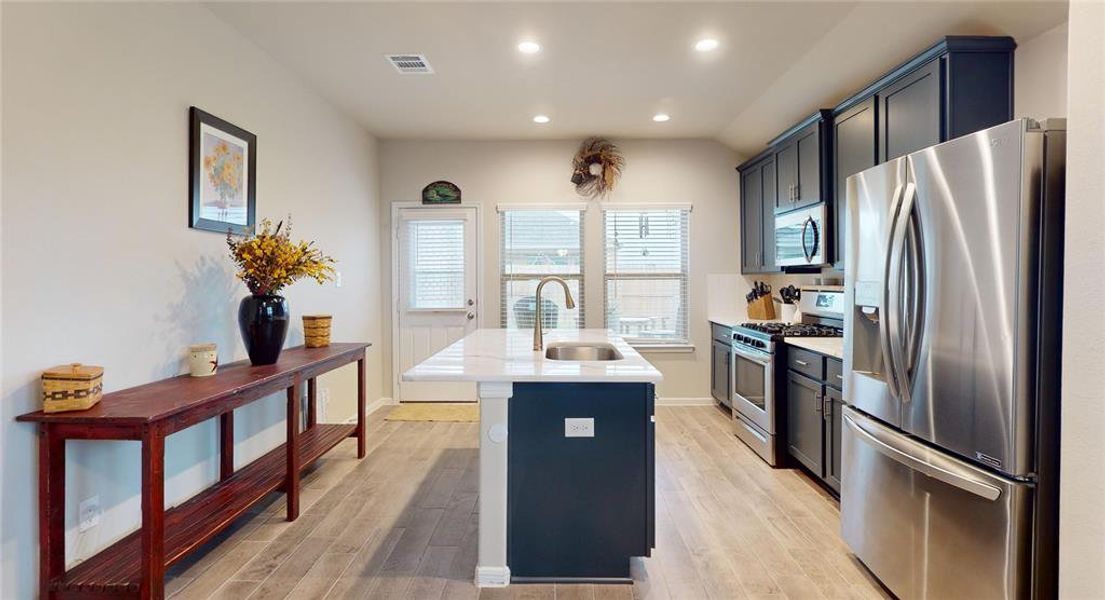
(206, 311)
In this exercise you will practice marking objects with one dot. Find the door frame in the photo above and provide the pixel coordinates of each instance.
(393, 304)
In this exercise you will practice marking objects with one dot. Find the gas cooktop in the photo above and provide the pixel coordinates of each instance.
(781, 330)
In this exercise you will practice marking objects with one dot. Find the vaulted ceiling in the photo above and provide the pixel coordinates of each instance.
(607, 68)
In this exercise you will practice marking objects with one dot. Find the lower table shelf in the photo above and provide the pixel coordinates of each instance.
(115, 570)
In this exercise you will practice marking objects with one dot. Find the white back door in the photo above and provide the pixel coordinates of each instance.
(437, 253)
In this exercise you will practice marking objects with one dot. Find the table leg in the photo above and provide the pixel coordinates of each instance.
(51, 509)
(360, 408)
(226, 445)
(312, 402)
(292, 479)
(153, 514)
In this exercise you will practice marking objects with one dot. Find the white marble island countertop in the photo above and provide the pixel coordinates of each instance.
(507, 355)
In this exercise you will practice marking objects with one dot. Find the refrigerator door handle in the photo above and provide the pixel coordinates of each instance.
(901, 454)
(915, 302)
(894, 279)
(884, 320)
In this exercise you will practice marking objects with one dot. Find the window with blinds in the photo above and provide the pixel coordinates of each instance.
(535, 244)
(435, 259)
(646, 276)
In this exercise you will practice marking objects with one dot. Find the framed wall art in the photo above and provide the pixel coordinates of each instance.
(222, 175)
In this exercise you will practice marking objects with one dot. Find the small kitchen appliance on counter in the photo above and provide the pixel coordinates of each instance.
(951, 365)
(753, 371)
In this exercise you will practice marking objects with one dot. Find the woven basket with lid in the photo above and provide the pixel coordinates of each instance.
(71, 387)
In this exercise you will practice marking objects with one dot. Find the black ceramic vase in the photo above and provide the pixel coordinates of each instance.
(263, 321)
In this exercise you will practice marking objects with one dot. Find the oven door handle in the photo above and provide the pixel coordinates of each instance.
(763, 360)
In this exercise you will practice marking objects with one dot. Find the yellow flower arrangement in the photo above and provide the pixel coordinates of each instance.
(268, 260)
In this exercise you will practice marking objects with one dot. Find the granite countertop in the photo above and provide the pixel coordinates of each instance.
(829, 346)
(504, 355)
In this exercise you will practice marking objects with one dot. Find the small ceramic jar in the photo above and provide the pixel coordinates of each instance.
(203, 360)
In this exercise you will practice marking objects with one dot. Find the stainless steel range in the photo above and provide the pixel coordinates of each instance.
(753, 372)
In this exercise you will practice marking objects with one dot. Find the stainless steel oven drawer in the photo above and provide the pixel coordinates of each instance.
(930, 525)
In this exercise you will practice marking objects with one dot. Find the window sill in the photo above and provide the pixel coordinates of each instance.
(661, 348)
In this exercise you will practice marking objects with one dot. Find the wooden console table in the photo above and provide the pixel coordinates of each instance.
(135, 566)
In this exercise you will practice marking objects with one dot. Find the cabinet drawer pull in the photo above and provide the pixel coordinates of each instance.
(840, 377)
(801, 362)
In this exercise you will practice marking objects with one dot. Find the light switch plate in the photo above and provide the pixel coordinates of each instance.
(579, 427)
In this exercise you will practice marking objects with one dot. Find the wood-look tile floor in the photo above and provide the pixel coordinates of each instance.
(402, 524)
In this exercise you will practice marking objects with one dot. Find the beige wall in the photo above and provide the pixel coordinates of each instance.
(1040, 77)
(700, 172)
(99, 265)
(1082, 492)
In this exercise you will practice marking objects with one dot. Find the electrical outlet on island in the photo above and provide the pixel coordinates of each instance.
(579, 427)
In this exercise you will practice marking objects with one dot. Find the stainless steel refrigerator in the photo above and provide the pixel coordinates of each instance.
(953, 273)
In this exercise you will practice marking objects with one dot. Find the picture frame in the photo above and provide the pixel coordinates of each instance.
(222, 175)
(441, 192)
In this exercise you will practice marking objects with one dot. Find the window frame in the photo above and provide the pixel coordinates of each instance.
(673, 344)
(506, 278)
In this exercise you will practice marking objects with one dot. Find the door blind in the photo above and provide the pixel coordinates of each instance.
(435, 259)
(646, 274)
(535, 244)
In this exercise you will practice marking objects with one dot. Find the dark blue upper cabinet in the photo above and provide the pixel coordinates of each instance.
(855, 148)
(801, 163)
(757, 216)
(960, 85)
(910, 111)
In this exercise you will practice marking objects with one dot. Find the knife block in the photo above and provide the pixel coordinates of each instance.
(762, 308)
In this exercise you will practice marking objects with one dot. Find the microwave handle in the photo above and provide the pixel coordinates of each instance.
(809, 253)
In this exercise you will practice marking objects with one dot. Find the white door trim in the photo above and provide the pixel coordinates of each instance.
(393, 305)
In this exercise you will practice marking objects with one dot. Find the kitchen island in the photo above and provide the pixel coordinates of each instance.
(583, 437)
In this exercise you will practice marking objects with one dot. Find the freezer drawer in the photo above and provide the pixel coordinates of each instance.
(927, 524)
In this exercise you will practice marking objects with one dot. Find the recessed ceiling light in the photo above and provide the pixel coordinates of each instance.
(529, 47)
(661, 118)
(541, 119)
(706, 44)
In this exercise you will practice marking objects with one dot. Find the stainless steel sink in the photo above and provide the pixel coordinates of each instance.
(582, 351)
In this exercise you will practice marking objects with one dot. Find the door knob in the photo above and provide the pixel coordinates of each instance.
(471, 316)
(471, 302)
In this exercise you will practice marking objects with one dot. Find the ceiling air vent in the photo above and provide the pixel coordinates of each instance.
(410, 64)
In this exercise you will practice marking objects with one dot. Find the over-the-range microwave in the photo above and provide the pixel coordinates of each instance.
(800, 237)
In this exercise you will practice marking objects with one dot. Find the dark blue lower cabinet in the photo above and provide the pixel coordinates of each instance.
(580, 507)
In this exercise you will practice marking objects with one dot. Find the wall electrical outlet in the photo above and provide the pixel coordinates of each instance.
(579, 427)
(89, 512)
(337, 278)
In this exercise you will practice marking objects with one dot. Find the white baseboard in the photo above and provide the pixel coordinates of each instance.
(668, 401)
(372, 407)
(492, 576)
(378, 404)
